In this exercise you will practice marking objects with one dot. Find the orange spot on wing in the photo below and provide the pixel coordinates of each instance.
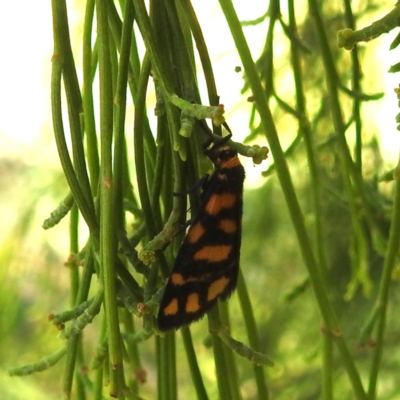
(213, 253)
(195, 232)
(177, 279)
(172, 308)
(231, 163)
(217, 287)
(227, 225)
(217, 202)
(192, 303)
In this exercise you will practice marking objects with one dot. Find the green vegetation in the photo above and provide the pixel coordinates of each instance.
(320, 235)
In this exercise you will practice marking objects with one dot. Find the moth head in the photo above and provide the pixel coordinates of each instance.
(220, 154)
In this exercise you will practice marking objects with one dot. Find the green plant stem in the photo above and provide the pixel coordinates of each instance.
(120, 163)
(139, 149)
(214, 325)
(356, 87)
(280, 162)
(193, 365)
(197, 33)
(60, 212)
(228, 351)
(61, 59)
(327, 362)
(72, 91)
(41, 365)
(107, 213)
(98, 381)
(350, 171)
(72, 351)
(351, 176)
(290, 195)
(77, 174)
(268, 71)
(221, 368)
(348, 168)
(92, 152)
(98, 385)
(133, 353)
(252, 334)
(347, 38)
(163, 76)
(166, 373)
(232, 372)
(281, 166)
(73, 342)
(160, 167)
(172, 373)
(74, 249)
(80, 387)
(188, 87)
(140, 161)
(146, 30)
(383, 296)
(306, 131)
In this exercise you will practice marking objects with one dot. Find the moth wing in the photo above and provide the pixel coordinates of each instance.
(206, 267)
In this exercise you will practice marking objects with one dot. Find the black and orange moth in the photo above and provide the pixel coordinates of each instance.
(207, 265)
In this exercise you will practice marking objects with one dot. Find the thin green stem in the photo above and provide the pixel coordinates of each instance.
(107, 212)
(350, 171)
(224, 389)
(197, 33)
(133, 353)
(92, 152)
(60, 212)
(290, 195)
(74, 341)
(305, 129)
(228, 350)
(98, 381)
(146, 30)
(68, 377)
(351, 176)
(120, 164)
(72, 91)
(74, 249)
(347, 38)
(167, 388)
(193, 365)
(383, 296)
(252, 334)
(280, 162)
(60, 56)
(41, 365)
(356, 86)
(138, 148)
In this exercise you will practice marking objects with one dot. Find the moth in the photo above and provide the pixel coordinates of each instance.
(207, 265)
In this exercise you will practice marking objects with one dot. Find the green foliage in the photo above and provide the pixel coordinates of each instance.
(330, 328)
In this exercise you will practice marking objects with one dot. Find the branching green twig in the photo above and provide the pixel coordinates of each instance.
(348, 38)
(41, 365)
(60, 212)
